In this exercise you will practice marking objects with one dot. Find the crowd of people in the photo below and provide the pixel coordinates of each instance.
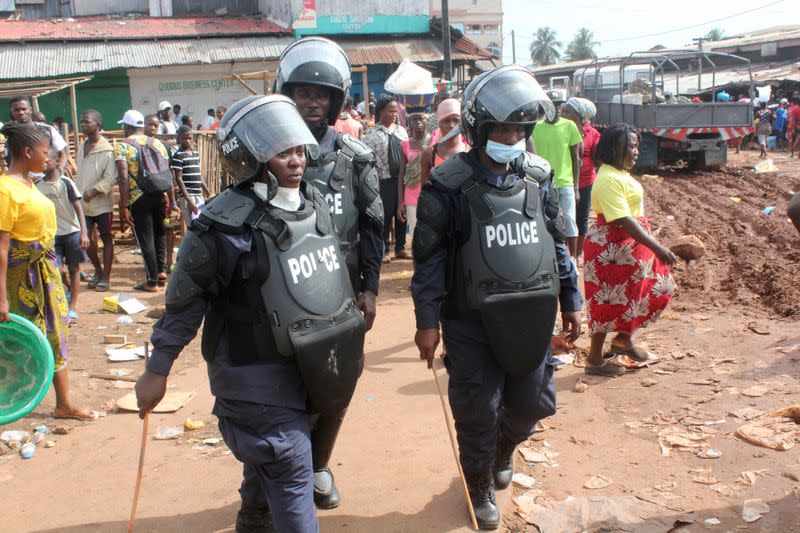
(489, 191)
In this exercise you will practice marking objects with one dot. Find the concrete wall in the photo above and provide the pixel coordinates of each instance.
(195, 87)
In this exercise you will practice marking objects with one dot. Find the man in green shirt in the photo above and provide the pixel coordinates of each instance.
(559, 142)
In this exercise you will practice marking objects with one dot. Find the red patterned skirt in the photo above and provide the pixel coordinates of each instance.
(626, 286)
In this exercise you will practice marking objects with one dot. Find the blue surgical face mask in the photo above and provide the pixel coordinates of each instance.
(504, 153)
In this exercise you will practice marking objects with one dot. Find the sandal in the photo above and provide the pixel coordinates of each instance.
(145, 287)
(387, 259)
(102, 286)
(93, 281)
(633, 352)
(72, 317)
(162, 280)
(93, 415)
(606, 369)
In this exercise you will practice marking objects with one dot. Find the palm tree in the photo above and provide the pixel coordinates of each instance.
(544, 48)
(716, 34)
(582, 46)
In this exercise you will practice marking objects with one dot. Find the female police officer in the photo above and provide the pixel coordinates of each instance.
(282, 334)
(488, 269)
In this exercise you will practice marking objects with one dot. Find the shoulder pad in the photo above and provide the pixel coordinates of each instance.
(451, 174)
(356, 148)
(230, 208)
(532, 166)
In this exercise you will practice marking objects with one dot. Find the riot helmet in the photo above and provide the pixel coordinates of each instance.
(257, 128)
(315, 61)
(507, 95)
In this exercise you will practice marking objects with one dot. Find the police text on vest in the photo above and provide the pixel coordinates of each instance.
(512, 234)
(306, 265)
(335, 202)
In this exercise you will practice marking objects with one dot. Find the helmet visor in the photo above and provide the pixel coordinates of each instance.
(314, 51)
(505, 91)
(269, 128)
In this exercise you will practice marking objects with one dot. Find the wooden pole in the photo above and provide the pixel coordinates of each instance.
(138, 489)
(266, 82)
(75, 128)
(365, 88)
(455, 449)
(246, 85)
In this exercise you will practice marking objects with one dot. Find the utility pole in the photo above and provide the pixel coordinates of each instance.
(699, 41)
(513, 48)
(448, 64)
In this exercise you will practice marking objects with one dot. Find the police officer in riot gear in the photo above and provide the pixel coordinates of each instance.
(491, 267)
(315, 73)
(282, 335)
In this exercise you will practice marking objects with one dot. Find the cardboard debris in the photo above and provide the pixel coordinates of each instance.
(708, 453)
(598, 512)
(523, 480)
(786, 350)
(580, 386)
(749, 477)
(680, 439)
(704, 476)
(745, 413)
(649, 382)
(115, 339)
(756, 391)
(597, 481)
(534, 455)
(754, 509)
(171, 402)
(123, 303)
(126, 352)
(775, 434)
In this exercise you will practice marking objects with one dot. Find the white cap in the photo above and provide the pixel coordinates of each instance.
(132, 118)
(164, 105)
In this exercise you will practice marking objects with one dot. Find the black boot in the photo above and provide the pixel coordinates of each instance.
(326, 495)
(503, 462)
(481, 491)
(254, 520)
(323, 439)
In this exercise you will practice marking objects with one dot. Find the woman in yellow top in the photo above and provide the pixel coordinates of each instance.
(30, 282)
(626, 279)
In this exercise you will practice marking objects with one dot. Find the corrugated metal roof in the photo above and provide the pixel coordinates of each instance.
(48, 59)
(423, 49)
(784, 36)
(20, 61)
(104, 28)
(764, 74)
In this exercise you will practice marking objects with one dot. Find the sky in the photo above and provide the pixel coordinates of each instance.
(625, 26)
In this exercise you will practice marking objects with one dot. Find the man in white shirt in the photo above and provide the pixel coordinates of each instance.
(208, 120)
(166, 125)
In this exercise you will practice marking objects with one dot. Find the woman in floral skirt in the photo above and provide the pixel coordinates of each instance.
(626, 275)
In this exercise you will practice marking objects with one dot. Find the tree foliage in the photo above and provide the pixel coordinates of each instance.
(716, 34)
(582, 46)
(545, 47)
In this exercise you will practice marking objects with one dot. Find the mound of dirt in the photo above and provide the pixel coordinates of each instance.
(751, 258)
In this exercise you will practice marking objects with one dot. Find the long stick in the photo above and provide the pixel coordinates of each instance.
(136, 492)
(455, 451)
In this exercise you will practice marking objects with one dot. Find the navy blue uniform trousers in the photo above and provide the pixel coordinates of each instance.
(274, 445)
(486, 400)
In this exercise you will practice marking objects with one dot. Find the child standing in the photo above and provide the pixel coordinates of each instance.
(188, 177)
(71, 240)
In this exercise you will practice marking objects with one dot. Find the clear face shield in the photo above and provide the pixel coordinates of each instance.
(267, 128)
(314, 50)
(506, 90)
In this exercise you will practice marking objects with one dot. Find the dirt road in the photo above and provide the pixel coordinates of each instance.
(729, 342)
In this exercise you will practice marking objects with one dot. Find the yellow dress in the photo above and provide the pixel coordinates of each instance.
(33, 280)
